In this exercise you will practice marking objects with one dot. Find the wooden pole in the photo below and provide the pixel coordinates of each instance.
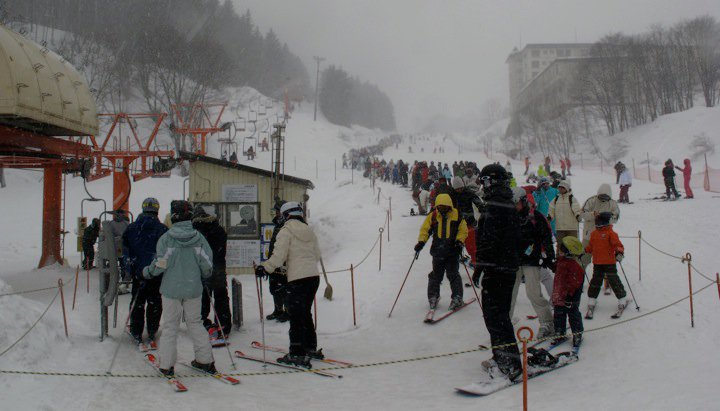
(688, 259)
(524, 363)
(380, 254)
(336, 169)
(639, 255)
(77, 274)
(390, 207)
(352, 288)
(62, 303)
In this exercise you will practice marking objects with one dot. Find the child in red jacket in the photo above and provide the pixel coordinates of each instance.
(567, 289)
(606, 250)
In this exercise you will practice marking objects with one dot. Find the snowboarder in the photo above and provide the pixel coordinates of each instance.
(537, 251)
(687, 175)
(625, 182)
(668, 173)
(565, 212)
(139, 244)
(297, 247)
(567, 289)
(602, 202)
(497, 262)
(90, 236)
(606, 250)
(449, 232)
(216, 285)
(183, 257)
(277, 280)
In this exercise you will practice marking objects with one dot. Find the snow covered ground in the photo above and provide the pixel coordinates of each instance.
(656, 362)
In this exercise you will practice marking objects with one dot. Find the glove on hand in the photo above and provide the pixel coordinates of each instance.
(419, 246)
(619, 257)
(476, 277)
(260, 272)
(568, 302)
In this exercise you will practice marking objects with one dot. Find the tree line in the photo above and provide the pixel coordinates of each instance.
(346, 100)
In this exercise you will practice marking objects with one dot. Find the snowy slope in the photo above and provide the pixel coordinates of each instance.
(657, 362)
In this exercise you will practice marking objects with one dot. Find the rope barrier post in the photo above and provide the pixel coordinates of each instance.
(77, 274)
(688, 259)
(380, 254)
(525, 366)
(62, 300)
(639, 255)
(379, 191)
(352, 288)
(390, 207)
(88, 281)
(717, 280)
(388, 225)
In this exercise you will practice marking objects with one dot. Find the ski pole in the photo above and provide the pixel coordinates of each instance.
(258, 286)
(217, 321)
(417, 254)
(133, 302)
(472, 284)
(637, 307)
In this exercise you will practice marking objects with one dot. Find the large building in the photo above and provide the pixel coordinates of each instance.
(525, 65)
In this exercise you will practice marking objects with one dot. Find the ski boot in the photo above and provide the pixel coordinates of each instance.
(590, 309)
(283, 317)
(577, 340)
(545, 331)
(209, 368)
(433, 301)
(315, 354)
(488, 364)
(455, 303)
(511, 371)
(275, 314)
(558, 340)
(295, 360)
(169, 373)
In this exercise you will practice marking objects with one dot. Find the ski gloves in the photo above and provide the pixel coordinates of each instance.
(260, 272)
(419, 246)
(619, 257)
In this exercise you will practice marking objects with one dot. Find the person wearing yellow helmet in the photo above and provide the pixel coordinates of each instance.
(448, 231)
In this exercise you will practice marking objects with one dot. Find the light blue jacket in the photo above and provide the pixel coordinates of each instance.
(184, 257)
(543, 199)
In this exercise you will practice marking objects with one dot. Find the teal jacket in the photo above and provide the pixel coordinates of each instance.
(184, 257)
(543, 198)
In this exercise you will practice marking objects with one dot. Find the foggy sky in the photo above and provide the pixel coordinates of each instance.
(447, 57)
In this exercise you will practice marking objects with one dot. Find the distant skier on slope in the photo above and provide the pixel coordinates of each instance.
(687, 175)
(669, 179)
(606, 249)
(448, 231)
(625, 181)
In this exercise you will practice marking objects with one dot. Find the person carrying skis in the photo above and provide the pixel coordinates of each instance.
(687, 175)
(567, 290)
(606, 249)
(537, 251)
(183, 258)
(668, 173)
(497, 262)
(448, 231)
(89, 238)
(216, 285)
(139, 244)
(625, 181)
(297, 247)
(602, 202)
(277, 280)
(564, 212)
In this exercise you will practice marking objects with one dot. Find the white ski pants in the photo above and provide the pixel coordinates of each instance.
(533, 277)
(171, 317)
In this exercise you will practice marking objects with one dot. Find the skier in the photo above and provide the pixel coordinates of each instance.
(527, 166)
(277, 280)
(537, 251)
(669, 179)
(90, 236)
(297, 247)
(625, 181)
(544, 195)
(562, 167)
(687, 175)
(449, 232)
(498, 242)
(216, 285)
(183, 257)
(568, 164)
(618, 167)
(441, 187)
(118, 225)
(139, 244)
(567, 290)
(602, 202)
(541, 171)
(606, 250)
(565, 212)
(464, 199)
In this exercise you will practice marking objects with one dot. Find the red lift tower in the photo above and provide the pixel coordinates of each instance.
(197, 122)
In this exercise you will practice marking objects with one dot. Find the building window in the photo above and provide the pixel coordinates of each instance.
(535, 64)
(536, 53)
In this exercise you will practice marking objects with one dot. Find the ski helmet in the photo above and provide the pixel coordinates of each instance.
(492, 175)
(181, 210)
(571, 245)
(150, 205)
(603, 219)
(291, 208)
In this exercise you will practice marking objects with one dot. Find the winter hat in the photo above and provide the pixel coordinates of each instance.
(199, 212)
(565, 184)
(291, 208)
(443, 200)
(457, 182)
(571, 245)
(603, 219)
(150, 205)
(519, 194)
(181, 210)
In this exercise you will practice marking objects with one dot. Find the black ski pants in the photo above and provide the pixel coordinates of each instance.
(89, 252)
(571, 312)
(445, 265)
(670, 188)
(300, 296)
(497, 290)
(145, 292)
(608, 271)
(216, 287)
(277, 283)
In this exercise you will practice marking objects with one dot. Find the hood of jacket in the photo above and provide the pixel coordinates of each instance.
(604, 190)
(686, 162)
(184, 233)
(498, 194)
(299, 230)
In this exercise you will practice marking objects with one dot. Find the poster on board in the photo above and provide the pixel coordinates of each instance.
(242, 220)
(239, 193)
(242, 253)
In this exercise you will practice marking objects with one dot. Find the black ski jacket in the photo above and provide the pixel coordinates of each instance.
(498, 237)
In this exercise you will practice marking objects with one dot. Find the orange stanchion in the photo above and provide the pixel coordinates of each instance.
(525, 367)
(77, 274)
(688, 259)
(717, 281)
(62, 301)
(380, 254)
(390, 207)
(639, 255)
(352, 287)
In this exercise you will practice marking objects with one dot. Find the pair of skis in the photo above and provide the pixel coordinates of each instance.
(590, 314)
(430, 316)
(258, 345)
(175, 382)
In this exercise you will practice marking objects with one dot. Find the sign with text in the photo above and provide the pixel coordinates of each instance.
(242, 253)
(239, 193)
